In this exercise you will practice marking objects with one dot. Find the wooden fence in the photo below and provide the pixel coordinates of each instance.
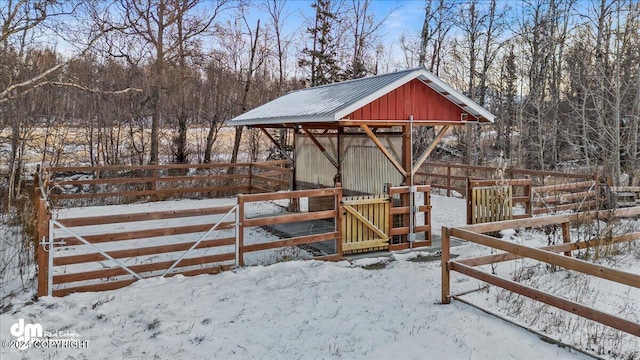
(96, 253)
(551, 192)
(400, 217)
(577, 196)
(294, 228)
(86, 252)
(548, 255)
(107, 185)
(494, 200)
(625, 196)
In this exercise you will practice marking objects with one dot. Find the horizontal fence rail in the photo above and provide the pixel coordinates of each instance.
(87, 254)
(105, 185)
(549, 255)
(550, 192)
(303, 225)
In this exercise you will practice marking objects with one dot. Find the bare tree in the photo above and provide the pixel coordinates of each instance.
(164, 28)
(362, 27)
(438, 21)
(606, 88)
(247, 86)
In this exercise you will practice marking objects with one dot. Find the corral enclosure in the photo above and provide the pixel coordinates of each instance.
(203, 226)
(129, 234)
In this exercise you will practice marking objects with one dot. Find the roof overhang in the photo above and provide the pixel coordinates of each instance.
(336, 117)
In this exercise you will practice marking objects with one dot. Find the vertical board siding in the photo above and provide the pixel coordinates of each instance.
(311, 165)
(413, 98)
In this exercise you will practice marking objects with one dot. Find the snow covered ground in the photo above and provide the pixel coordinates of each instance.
(383, 308)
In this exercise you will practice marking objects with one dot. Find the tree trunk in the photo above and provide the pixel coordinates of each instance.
(245, 96)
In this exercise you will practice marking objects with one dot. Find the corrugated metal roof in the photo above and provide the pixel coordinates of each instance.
(329, 103)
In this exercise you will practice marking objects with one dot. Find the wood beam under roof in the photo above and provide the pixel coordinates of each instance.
(278, 145)
(384, 150)
(322, 149)
(429, 149)
(391, 123)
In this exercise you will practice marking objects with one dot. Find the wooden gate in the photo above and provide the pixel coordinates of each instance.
(490, 203)
(365, 224)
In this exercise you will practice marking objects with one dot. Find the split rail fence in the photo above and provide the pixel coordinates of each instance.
(549, 255)
(545, 193)
(93, 251)
(116, 184)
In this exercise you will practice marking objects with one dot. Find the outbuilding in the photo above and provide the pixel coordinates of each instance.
(359, 132)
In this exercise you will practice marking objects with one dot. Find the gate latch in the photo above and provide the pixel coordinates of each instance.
(44, 243)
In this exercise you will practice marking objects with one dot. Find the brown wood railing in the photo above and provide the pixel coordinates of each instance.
(551, 192)
(548, 254)
(453, 177)
(106, 185)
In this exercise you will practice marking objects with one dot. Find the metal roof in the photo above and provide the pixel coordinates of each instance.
(332, 102)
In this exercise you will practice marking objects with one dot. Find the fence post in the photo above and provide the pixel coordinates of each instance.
(468, 199)
(250, 178)
(240, 234)
(42, 232)
(566, 236)
(339, 210)
(391, 206)
(597, 189)
(448, 181)
(427, 213)
(445, 265)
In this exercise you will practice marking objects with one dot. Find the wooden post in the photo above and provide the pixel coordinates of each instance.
(240, 235)
(427, 214)
(445, 265)
(597, 189)
(339, 210)
(469, 205)
(448, 181)
(391, 205)
(407, 155)
(42, 232)
(566, 236)
(251, 178)
(529, 203)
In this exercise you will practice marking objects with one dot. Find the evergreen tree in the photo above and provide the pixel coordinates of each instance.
(321, 58)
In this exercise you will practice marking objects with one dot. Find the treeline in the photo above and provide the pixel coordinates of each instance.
(136, 75)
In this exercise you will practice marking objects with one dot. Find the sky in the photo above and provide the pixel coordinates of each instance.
(403, 16)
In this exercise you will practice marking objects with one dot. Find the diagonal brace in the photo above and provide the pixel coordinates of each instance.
(428, 151)
(366, 222)
(277, 144)
(103, 253)
(384, 150)
(200, 240)
(324, 151)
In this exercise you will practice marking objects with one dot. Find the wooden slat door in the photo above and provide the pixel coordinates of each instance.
(491, 203)
(365, 224)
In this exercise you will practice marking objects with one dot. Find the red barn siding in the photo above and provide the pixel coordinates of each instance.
(413, 98)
